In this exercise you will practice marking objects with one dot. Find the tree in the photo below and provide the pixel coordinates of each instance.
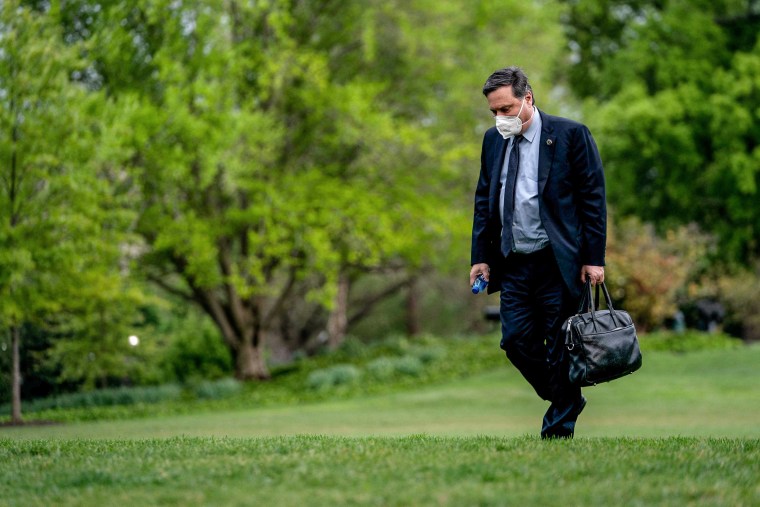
(53, 227)
(264, 175)
(278, 152)
(674, 92)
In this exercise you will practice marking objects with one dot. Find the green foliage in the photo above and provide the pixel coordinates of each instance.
(64, 238)
(381, 368)
(343, 373)
(384, 368)
(49, 196)
(700, 393)
(674, 101)
(216, 389)
(659, 44)
(340, 374)
(303, 142)
(395, 354)
(354, 349)
(259, 151)
(429, 353)
(688, 341)
(408, 365)
(94, 348)
(275, 159)
(116, 396)
(350, 372)
(39, 378)
(175, 344)
(194, 349)
(138, 395)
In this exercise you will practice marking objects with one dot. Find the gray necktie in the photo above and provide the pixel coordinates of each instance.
(509, 195)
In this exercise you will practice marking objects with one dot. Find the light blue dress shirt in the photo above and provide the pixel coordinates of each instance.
(528, 233)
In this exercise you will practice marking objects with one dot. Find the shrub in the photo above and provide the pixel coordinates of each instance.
(688, 341)
(340, 374)
(429, 354)
(105, 397)
(353, 348)
(384, 368)
(395, 344)
(216, 389)
(647, 273)
(740, 295)
(408, 365)
(196, 350)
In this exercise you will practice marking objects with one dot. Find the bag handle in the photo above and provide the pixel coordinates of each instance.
(586, 304)
(590, 302)
(608, 302)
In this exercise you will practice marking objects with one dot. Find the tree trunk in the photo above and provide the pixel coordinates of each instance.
(16, 377)
(413, 307)
(337, 323)
(249, 361)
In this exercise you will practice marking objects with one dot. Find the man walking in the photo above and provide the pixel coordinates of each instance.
(539, 232)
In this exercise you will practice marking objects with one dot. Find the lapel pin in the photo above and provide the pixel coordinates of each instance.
(549, 142)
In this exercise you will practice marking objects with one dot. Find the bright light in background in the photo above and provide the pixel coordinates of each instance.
(134, 341)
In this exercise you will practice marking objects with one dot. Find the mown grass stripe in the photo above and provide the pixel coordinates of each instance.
(413, 470)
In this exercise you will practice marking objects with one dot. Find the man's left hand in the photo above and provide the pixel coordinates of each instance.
(595, 273)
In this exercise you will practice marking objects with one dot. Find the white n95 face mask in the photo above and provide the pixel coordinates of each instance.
(509, 126)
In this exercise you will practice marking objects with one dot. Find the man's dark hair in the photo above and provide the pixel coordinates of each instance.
(511, 76)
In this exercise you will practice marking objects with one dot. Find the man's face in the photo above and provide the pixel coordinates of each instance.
(502, 102)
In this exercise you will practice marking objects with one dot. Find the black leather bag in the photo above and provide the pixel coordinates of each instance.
(601, 344)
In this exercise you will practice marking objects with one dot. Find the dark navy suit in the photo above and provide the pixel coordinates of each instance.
(540, 290)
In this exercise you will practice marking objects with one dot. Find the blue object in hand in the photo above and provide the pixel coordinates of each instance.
(479, 285)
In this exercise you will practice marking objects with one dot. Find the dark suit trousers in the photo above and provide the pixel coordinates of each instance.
(534, 304)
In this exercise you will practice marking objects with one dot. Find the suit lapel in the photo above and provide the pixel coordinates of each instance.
(498, 157)
(545, 151)
(500, 149)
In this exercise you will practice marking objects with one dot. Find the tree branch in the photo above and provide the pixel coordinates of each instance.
(277, 306)
(210, 304)
(369, 303)
(164, 285)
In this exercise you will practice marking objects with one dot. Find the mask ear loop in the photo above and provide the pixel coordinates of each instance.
(532, 112)
(521, 108)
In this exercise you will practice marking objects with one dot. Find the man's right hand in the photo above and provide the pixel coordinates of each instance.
(479, 269)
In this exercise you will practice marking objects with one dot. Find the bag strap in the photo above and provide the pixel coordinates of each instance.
(608, 302)
(586, 303)
(596, 296)
(590, 302)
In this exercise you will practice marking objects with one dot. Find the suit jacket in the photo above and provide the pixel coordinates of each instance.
(571, 200)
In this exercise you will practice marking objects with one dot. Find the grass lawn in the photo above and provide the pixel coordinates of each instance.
(415, 470)
(708, 393)
(684, 430)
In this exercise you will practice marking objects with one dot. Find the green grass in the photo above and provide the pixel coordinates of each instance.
(355, 370)
(414, 470)
(683, 430)
(705, 394)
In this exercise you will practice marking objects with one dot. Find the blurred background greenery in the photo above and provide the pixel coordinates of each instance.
(192, 189)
